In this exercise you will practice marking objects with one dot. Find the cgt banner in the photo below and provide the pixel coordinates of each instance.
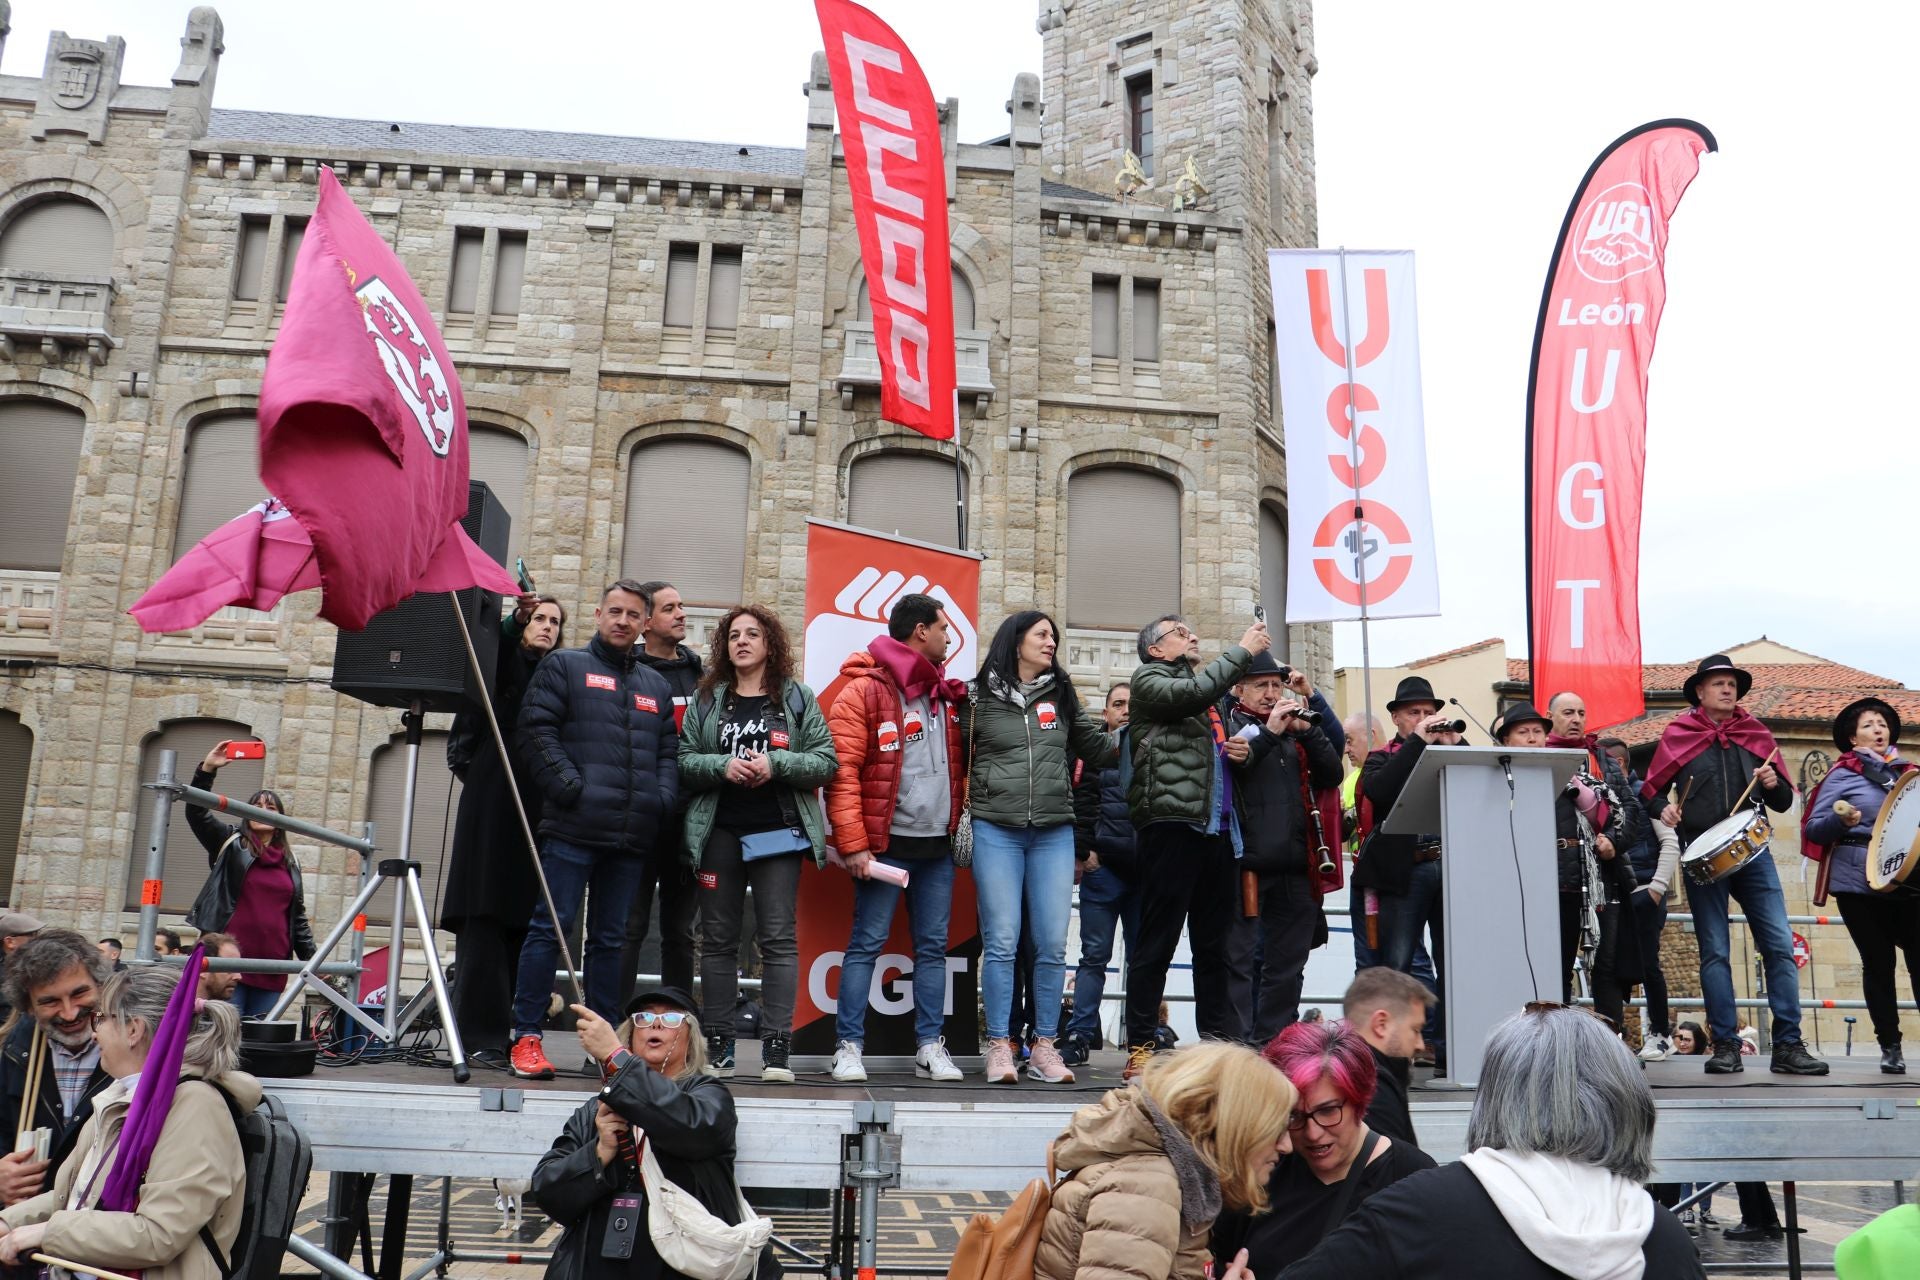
(897, 174)
(1587, 418)
(853, 578)
(1356, 436)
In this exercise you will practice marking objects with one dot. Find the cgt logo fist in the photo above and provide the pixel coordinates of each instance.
(859, 613)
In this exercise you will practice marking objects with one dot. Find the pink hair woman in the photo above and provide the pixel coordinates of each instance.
(1336, 1161)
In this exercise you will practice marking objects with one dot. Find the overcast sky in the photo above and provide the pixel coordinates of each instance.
(1780, 447)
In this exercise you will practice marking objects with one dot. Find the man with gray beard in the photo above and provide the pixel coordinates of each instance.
(54, 983)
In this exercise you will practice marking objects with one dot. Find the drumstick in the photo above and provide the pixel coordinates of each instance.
(80, 1267)
(1751, 781)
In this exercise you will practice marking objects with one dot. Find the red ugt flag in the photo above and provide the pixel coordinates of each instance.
(363, 429)
(1587, 418)
(898, 176)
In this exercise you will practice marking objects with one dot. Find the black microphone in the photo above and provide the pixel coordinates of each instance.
(1476, 722)
(1506, 764)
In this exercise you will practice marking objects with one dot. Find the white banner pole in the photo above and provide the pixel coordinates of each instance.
(1359, 508)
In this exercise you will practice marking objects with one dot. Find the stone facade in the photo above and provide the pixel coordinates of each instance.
(587, 369)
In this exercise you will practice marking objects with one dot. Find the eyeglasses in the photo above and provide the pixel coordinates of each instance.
(672, 1020)
(1177, 629)
(97, 1017)
(1328, 1115)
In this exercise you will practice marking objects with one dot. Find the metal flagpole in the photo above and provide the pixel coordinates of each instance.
(513, 789)
(1359, 507)
(959, 477)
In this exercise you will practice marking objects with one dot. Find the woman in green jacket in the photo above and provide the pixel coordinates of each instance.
(1021, 728)
(753, 749)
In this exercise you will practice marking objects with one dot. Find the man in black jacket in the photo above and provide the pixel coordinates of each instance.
(597, 735)
(1404, 870)
(665, 873)
(1388, 1008)
(1105, 851)
(1708, 755)
(54, 981)
(1280, 759)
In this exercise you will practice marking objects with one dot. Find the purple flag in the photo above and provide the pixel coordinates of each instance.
(153, 1096)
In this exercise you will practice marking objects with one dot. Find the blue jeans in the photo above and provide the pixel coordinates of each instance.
(929, 895)
(1105, 901)
(608, 882)
(1015, 867)
(1756, 887)
(257, 1002)
(1405, 918)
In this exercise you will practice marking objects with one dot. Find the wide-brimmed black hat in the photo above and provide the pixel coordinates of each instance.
(661, 995)
(1515, 716)
(1263, 664)
(1414, 689)
(1849, 719)
(1743, 680)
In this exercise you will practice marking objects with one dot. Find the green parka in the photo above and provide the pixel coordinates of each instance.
(1173, 747)
(1020, 759)
(798, 769)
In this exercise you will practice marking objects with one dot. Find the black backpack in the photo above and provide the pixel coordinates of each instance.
(278, 1160)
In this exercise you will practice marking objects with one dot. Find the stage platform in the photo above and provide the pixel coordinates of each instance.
(1854, 1125)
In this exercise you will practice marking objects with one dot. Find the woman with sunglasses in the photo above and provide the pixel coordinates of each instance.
(253, 892)
(1337, 1161)
(657, 1084)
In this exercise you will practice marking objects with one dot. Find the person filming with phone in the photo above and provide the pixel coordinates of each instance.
(254, 891)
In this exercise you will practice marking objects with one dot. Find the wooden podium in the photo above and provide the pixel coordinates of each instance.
(1499, 879)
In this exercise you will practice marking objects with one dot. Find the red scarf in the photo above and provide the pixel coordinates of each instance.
(1694, 731)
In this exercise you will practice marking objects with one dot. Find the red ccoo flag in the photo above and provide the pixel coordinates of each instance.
(363, 429)
(897, 173)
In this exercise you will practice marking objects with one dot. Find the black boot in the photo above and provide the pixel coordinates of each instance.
(776, 1052)
(1891, 1063)
(1726, 1058)
(1792, 1059)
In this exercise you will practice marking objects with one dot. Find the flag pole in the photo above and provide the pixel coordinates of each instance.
(959, 478)
(1359, 507)
(519, 808)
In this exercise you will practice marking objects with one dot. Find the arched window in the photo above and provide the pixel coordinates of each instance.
(687, 518)
(221, 477)
(499, 457)
(65, 237)
(962, 302)
(906, 493)
(186, 862)
(1123, 547)
(1273, 574)
(436, 800)
(39, 460)
(16, 757)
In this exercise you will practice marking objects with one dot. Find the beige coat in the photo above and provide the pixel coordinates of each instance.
(196, 1178)
(1139, 1205)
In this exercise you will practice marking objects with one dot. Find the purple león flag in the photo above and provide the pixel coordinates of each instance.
(153, 1096)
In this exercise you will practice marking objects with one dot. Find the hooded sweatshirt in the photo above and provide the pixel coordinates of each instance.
(1577, 1218)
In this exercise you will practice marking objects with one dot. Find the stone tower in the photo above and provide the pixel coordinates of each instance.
(1225, 83)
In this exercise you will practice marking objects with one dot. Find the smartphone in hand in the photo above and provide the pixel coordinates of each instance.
(240, 749)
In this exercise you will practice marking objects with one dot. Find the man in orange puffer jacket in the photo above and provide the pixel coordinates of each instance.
(896, 799)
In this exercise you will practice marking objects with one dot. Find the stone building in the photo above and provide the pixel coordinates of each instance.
(668, 366)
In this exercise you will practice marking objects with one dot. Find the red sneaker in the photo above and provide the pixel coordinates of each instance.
(528, 1061)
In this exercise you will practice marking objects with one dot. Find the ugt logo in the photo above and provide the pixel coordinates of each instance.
(1616, 234)
(410, 363)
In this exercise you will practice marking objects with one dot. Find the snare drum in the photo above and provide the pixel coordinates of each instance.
(1727, 846)
(1896, 835)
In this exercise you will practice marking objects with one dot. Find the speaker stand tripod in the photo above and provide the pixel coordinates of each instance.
(404, 875)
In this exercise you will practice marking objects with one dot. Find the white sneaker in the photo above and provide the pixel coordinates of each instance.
(933, 1063)
(847, 1067)
(1656, 1049)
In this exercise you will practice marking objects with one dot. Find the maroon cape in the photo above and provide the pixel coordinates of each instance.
(1693, 732)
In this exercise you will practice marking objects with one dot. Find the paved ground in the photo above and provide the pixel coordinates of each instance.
(918, 1230)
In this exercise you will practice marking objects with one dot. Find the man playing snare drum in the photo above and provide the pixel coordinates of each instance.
(1706, 758)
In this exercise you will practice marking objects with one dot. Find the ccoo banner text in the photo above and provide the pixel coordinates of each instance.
(1356, 436)
(1587, 418)
(897, 173)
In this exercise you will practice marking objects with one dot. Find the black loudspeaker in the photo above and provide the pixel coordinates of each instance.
(413, 651)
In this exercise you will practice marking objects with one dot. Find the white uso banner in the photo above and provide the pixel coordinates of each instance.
(1387, 555)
